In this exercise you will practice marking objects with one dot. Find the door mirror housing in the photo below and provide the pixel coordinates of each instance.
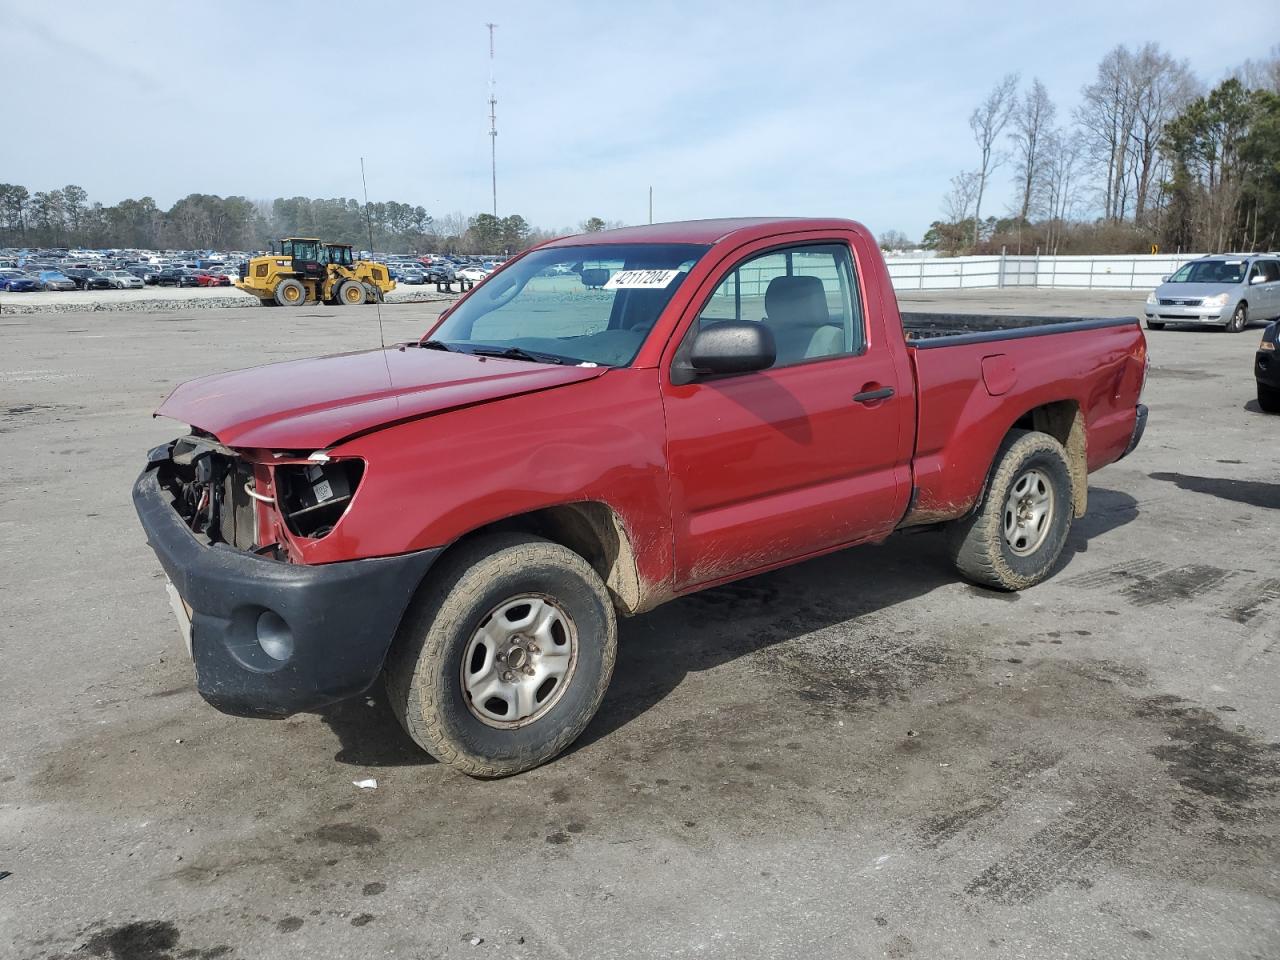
(1257, 278)
(731, 346)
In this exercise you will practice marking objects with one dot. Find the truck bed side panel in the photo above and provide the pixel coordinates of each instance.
(961, 423)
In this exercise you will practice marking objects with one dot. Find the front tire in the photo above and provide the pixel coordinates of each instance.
(1239, 319)
(1268, 398)
(1154, 325)
(504, 656)
(290, 293)
(351, 294)
(1014, 539)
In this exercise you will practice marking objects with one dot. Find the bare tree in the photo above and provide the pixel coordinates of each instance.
(1062, 159)
(1106, 116)
(1159, 87)
(959, 199)
(1261, 74)
(987, 123)
(1032, 120)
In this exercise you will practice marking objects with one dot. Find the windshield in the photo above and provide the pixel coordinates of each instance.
(1210, 271)
(589, 304)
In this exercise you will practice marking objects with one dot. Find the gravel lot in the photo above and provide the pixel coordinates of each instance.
(857, 757)
(164, 299)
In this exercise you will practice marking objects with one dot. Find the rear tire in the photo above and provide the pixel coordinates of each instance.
(1269, 398)
(456, 643)
(1239, 319)
(351, 294)
(290, 293)
(1014, 539)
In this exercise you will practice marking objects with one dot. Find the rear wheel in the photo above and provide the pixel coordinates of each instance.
(290, 293)
(351, 294)
(1239, 319)
(1013, 541)
(504, 656)
(1268, 398)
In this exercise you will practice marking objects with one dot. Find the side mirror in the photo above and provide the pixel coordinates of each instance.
(1164, 279)
(1257, 278)
(732, 346)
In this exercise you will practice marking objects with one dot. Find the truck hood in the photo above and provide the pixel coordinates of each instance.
(314, 403)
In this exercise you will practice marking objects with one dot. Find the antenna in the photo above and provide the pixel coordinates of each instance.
(493, 123)
(377, 299)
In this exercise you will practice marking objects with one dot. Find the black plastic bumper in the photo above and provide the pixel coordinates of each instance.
(340, 617)
(1139, 428)
(1266, 368)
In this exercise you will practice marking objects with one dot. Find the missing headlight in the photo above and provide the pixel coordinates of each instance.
(313, 497)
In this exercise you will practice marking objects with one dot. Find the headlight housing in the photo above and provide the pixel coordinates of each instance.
(1218, 300)
(314, 497)
(1152, 299)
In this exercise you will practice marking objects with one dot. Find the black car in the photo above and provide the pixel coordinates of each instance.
(148, 275)
(177, 277)
(86, 279)
(1266, 368)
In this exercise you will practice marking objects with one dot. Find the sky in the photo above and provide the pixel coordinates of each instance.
(727, 108)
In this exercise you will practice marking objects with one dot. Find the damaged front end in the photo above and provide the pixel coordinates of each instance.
(279, 612)
(271, 503)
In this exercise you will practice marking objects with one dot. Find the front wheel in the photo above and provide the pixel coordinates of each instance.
(290, 292)
(351, 293)
(504, 656)
(1154, 325)
(1014, 539)
(1239, 319)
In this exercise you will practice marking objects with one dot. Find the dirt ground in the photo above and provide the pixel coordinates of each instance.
(857, 757)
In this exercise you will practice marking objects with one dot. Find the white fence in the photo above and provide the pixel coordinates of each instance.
(1075, 273)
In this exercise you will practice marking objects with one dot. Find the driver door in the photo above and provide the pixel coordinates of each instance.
(808, 455)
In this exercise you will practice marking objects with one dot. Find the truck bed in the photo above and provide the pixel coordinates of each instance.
(926, 330)
(1085, 371)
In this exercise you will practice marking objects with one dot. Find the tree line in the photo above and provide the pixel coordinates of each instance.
(67, 218)
(1150, 156)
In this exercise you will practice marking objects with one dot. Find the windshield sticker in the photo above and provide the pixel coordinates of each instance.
(641, 279)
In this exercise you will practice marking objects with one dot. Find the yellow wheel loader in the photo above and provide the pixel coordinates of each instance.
(307, 270)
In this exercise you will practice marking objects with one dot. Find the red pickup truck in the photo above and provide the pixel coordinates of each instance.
(607, 422)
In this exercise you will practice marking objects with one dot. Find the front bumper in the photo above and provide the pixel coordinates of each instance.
(1161, 313)
(1266, 368)
(1139, 428)
(340, 618)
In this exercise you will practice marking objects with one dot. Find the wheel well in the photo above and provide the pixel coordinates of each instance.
(1063, 421)
(594, 532)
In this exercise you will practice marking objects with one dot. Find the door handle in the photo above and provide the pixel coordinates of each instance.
(870, 396)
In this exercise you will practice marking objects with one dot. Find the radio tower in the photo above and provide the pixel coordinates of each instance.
(493, 123)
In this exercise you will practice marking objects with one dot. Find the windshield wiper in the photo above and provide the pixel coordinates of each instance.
(516, 353)
(435, 345)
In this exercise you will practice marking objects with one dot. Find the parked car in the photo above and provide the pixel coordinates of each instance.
(177, 277)
(1227, 291)
(124, 280)
(212, 278)
(147, 274)
(1266, 368)
(472, 273)
(86, 279)
(441, 271)
(18, 281)
(410, 275)
(55, 280)
(684, 425)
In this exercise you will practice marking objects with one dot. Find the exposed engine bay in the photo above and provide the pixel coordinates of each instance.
(256, 503)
